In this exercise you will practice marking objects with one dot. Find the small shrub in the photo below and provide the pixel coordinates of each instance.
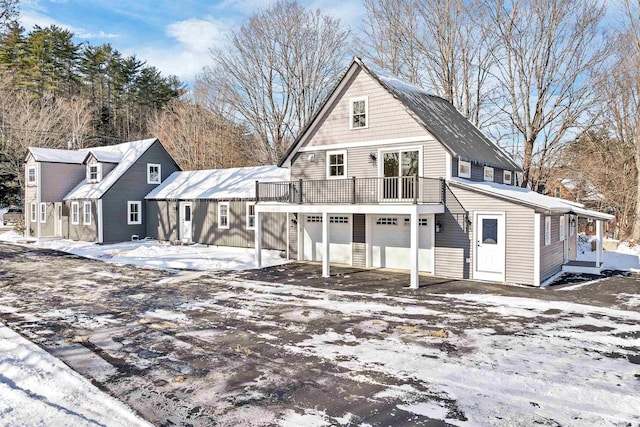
(20, 227)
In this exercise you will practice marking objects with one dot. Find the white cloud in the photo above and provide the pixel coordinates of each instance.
(30, 18)
(197, 35)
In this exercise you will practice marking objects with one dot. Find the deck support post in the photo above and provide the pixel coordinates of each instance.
(326, 272)
(415, 259)
(598, 243)
(258, 239)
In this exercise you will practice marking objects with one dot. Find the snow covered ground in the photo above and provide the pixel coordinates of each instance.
(151, 253)
(38, 389)
(626, 257)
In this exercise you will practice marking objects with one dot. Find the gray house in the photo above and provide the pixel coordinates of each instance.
(387, 175)
(95, 194)
(215, 207)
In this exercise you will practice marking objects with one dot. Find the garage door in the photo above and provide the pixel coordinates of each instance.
(391, 242)
(339, 237)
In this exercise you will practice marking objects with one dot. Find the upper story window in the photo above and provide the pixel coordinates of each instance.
(336, 164)
(488, 173)
(506, 177)
(556, 192)
(464, 169)
(94, 172)
(153, 173)
(31, 175)
(358, 112)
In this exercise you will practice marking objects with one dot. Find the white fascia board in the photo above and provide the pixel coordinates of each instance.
(362, 209)
(407, 140)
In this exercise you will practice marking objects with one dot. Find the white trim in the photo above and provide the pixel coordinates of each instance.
(75, 213)
(414, 280)
(152, 165)
(502, 236)
(257, 238)
(562, 234)
(134, 203)
(326, 246)
(228, 215)
(368, 232)
(488, 170)
(98, 167)
(84, 213)
(33, 168)
(418, 148)
(547, 230)
(43, 212)
(460, 174)
(448, 166)
(504, 177)
(385, 209)
(344, 163)
(407, 140)
(33, 212)
(39, 194)
(288, 238)
(366, 112)
(432, 218)
(249, 227)
(536, 248)
(99, 222)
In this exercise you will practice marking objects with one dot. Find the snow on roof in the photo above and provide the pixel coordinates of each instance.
(590, 192)
(444, 121)
(529, 197)
(129, 153)
(233, 183)
(55, 155)
(106, 155)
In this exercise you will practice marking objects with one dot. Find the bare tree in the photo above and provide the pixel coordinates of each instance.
(440, 45)
(548, 53)
(278, 69)
(8, 14)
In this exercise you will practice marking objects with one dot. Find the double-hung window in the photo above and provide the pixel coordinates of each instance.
(94, 173)
(153, 173)
(34, 212)
(223, 215)
(134, 212)
(336, 164)
(75, 213)
(43, 212)
(31, 175)
(86, 212)
(251, 216)
(358, 112)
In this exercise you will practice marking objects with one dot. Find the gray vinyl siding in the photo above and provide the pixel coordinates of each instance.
(358, 242)
(85, 233)
(454, 244)
(162, 219)
(132, 186)
(551, 255)
(47, 229)
(360, 164)
(58, 179)
(293, 235)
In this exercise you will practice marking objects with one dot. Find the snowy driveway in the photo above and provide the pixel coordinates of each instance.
(283, 347)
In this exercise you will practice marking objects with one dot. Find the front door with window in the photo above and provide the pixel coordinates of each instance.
(57, 209)
(490, 247)
(186, 233)
(398, 170)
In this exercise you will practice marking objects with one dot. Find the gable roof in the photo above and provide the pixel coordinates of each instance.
(232, 183)
(438, 116)
(527, 197)
(55, 155)
(128, 152)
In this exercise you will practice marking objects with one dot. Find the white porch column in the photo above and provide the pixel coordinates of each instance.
(598, 242)
(325, 245)
(300, 231)
(258, 238)
(415, 278)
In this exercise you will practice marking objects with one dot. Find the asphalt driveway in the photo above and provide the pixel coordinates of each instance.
(286, 346)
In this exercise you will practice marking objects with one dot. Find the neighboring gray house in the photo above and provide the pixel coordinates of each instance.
(214, 207)
(387, 175)
(94, 194)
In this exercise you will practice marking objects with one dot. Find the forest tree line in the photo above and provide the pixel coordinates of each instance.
(556, 83)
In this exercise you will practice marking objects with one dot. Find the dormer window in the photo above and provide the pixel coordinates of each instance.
(358, 112)
(153, 173)
(464, 169)
(506, 177)
(94, 172)
(488, 173)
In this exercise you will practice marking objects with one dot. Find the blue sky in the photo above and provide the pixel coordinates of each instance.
(175, 36)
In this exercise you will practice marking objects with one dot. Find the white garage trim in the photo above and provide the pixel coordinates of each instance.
(340, 241)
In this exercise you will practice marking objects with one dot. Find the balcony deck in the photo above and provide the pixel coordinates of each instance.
(363, 191)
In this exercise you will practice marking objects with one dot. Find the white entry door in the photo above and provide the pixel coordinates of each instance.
(490, 247)
(57, 208)
(186, 233)
(391, 242)
(339, 238)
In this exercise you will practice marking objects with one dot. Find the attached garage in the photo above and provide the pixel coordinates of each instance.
(391, 241)
(339, 238)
